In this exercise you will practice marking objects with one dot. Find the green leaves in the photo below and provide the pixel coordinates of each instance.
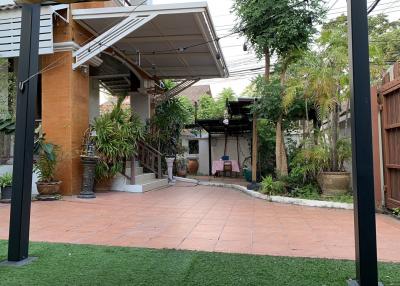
(269, 104)
(46, 164)
(7, 126)
(6, 180)
(166, 125)
(116, 141)
(282, 26)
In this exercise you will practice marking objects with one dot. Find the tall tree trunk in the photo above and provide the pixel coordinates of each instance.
(307, 119)
(280, 150)
(334, 138)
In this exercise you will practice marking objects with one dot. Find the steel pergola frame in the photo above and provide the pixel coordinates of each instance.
(363, 186)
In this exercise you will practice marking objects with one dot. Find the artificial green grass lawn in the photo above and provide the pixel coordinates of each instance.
(71, 265)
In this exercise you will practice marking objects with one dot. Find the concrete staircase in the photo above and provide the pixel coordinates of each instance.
(144, 182)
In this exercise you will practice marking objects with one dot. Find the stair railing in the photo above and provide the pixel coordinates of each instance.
(150, 159)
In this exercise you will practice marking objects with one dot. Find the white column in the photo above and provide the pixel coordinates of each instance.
(140, 104)
(94, 99)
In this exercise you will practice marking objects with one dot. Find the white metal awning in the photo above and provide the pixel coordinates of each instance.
(10, 30)
(169, 41)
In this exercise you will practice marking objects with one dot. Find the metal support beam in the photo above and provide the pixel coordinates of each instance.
(209, 155)
(24, 137)
(363, 175)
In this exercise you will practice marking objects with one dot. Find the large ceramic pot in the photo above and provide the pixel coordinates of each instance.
(181, 171)
(48, 189)
(6, 193)
(334, 183)
(193, 166)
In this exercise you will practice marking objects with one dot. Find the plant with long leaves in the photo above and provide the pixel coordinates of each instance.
(7, 125)
(117, 134)
(46, 162)
(165, 127)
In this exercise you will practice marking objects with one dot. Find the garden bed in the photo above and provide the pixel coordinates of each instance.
(277, 199)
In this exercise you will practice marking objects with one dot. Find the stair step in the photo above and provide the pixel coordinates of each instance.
(144, 178)
(128, 163)
(155, 184)
(139, 171)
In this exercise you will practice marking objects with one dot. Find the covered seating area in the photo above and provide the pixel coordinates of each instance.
(236, 126)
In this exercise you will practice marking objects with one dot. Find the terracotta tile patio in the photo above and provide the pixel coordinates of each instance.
(203, 218)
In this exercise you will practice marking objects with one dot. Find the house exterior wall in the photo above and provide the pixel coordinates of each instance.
(65, 105)
(65, 113)
(218, 145)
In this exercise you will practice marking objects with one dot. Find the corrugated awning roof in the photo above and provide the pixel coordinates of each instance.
(174, 40)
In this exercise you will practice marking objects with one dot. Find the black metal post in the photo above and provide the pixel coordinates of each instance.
(363, 176)
(24, 135)
(209, 155)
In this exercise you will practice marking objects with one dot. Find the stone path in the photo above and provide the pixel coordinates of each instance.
(203, 218)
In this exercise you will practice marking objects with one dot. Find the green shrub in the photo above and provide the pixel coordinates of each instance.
(45, 165)
(6, 180)
(343, 146)
(309, 162)
(308, 191)
(396, 211)
(271, 187)
(117, 134)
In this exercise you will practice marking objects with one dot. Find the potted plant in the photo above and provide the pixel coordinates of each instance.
(6, 187)
(45, 167)
(334, 179)
(181, 167)
(315, 163)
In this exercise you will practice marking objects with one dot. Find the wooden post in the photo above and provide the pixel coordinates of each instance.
(254, 151)
(133, 170)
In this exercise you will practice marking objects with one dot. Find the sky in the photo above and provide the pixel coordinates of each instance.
(232, 47)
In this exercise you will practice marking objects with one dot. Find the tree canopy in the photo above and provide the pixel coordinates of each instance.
(210, 108)
(280, 26)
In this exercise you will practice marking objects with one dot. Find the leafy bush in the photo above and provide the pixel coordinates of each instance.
(7, 125)
(117, 134)
(6, 180)
(343, 146)
(166, 126)
(46, 163)
(308, 191)
(271, 187)
(309, 162)
(396, 211)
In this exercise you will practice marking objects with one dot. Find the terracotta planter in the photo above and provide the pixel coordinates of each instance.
(181, 172)
(334, 183)
(47, 189)
(103, 186)
(193, 166)
(6, 193)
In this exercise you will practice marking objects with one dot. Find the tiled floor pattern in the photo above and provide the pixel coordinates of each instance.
(203, 218)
